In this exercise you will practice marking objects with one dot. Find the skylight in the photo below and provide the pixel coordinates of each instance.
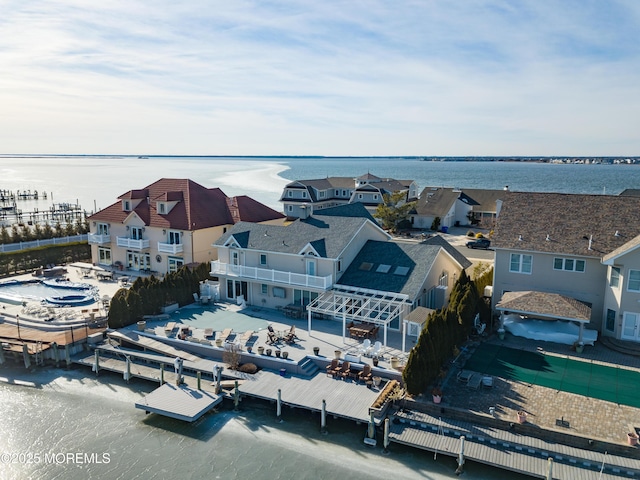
(382, 268)
(402, 271)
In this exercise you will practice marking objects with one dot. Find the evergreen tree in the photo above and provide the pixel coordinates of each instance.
(16, 237)
(59, 231)
(47, 231)
(134, 302)
(37, 232)
(119, 310)
(4, 235)
(393, 210)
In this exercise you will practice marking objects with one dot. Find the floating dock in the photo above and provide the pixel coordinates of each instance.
(181, 402)
(508, 450)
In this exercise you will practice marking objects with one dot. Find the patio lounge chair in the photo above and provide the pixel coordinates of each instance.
(333, 367)
(246, 336)
(272, 338)
(291, 337)
(225, 334)
(377, 348)
(366, 347)
(365, 375)
(345, 369)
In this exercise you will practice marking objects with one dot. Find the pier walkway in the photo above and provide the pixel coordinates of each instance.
(506, 449)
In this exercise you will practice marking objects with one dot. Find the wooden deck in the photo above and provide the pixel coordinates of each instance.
(345, 398)
(181, 402)
(505, 449)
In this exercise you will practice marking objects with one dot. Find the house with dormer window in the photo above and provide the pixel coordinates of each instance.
(167, 224)
(553, 251)
(302, 198)
(335, 263)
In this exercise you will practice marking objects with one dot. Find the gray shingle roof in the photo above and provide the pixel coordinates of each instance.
(545, 305)
(572, 222)
(417, 258)
(436, 202)
(329, 235)
(353, 210)
(450, 249)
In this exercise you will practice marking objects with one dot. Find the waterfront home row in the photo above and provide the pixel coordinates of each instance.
(570, 257)
(167, 224)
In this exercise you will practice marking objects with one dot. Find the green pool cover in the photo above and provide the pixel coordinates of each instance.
(612, 384)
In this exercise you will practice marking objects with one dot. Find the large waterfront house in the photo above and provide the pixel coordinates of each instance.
(570, 257)
(302, 198)
(167, 224)
(455, 207)
(335, 266)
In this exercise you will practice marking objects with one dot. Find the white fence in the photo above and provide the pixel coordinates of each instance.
(16, 247)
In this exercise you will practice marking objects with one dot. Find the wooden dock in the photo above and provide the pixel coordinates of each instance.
(179, 401)
(344, 398)
(506, 449)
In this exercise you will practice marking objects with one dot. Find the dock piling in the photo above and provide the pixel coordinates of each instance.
(460, 456)
(96, 361)
(323, 418)
(279, 406)
(385, 443)
(218, 375)
(25, 355)
(199, 377)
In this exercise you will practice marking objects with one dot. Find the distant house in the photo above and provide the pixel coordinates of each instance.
(302, 198)
(167, 224)
(455, 206)
(340, 267)
(579, 247)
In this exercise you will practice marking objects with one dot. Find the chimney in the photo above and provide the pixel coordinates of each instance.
(304, 211)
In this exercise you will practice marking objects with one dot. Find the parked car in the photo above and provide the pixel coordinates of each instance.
(479, 243)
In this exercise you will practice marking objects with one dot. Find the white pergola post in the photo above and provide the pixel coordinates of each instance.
(404, 336)
(580, 332)
(344, 325)
(309, 321)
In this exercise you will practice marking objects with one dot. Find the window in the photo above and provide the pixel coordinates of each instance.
(175, 264)
(322, 194)
(104, 256)
(263, 259)
(634, 281)
(136, 233)
(344, 193)
(290, 193)
(103, 229)
(520, 263)
(359, 196)
(175, 238)
(304, 194)
(265, 289)
(614, 277)
(279, 292)
(127, 205)
(568, 264)
(162, 208)
(290, 208)
(375, 197)
(339, 265)
(610, 323)
(337, 192)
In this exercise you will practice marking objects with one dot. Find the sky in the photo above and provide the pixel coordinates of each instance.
(334, 78)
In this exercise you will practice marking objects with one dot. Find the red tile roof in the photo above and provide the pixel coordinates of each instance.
(198, 207)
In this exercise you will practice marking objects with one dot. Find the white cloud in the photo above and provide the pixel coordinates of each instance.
(333, 78)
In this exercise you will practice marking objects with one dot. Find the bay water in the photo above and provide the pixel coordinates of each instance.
(68, 424)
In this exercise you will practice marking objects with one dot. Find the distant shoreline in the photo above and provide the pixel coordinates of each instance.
(535, 159)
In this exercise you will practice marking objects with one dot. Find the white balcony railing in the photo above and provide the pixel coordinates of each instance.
(273, 276)
(133, 244)
(99, 239)
(172, 248)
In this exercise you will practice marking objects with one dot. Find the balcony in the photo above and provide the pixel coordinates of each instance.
(98, 238)
(171, 248)
(272, 276)
(132, 244)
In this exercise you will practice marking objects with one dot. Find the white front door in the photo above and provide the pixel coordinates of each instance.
(630, 326)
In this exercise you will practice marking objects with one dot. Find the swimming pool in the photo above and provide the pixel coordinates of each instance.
(218, 318)
(17, 292)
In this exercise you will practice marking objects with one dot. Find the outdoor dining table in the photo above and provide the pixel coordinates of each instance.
(361, 330)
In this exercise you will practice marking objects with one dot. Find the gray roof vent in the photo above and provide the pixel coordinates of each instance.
(617, 234)
(519, 238)
(548, 239)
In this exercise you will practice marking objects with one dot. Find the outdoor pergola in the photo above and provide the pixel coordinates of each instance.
(545, 306)
(360, 305)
